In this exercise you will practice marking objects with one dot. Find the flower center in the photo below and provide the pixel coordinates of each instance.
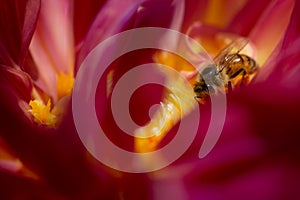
(42, 113)
(45, 114)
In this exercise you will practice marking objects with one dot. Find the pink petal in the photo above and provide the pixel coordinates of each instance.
(244, 21)
(270, 28)
(52, 46)
(286, 66)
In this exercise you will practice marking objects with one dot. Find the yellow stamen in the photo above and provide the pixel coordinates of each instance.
(176, 104)
(42, 113)
(64, 84)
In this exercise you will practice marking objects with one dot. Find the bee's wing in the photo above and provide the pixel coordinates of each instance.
(232, 49)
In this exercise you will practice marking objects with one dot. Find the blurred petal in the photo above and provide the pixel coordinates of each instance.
(219, 13)
(42, 149)
(17, 24)
(16, 82)
(16, 187)
(161, 13)
(270, 28)
(84, 14)
(282, 67)
(287, 66)
(257, 154)
(114, 16)
(214, 13)
(248, 16)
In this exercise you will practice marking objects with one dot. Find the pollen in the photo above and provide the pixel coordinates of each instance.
(64, 84)
(42, 113)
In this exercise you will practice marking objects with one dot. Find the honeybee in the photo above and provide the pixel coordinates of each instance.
(229, 70)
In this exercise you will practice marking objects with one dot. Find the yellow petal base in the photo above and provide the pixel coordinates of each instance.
(64, 84)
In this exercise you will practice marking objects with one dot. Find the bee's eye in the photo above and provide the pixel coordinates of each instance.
(197, 90)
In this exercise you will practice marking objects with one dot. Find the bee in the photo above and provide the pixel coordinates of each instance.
(229, 70)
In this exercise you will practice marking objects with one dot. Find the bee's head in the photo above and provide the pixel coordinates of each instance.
(201, 89)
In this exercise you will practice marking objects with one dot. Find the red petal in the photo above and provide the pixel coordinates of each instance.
(16, 81)
(55, 155)
(17, 24)
(161, 13)
(84, 14)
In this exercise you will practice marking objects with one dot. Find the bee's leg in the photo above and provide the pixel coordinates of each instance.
(199, 99)
(229, 87)
(245, 79)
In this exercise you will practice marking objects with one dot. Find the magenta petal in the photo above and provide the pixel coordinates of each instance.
(16, 81)
(293, 30)
(161, 13)
(246, 19)
(84, 14)
(17, 24)
(30, 21)
(191, 16)
(113, 18)
(55, 155)
(282, 68)
(16, 187)
(257, 156)
(288, 67)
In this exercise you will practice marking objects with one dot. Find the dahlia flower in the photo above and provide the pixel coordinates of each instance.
(43, 45)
